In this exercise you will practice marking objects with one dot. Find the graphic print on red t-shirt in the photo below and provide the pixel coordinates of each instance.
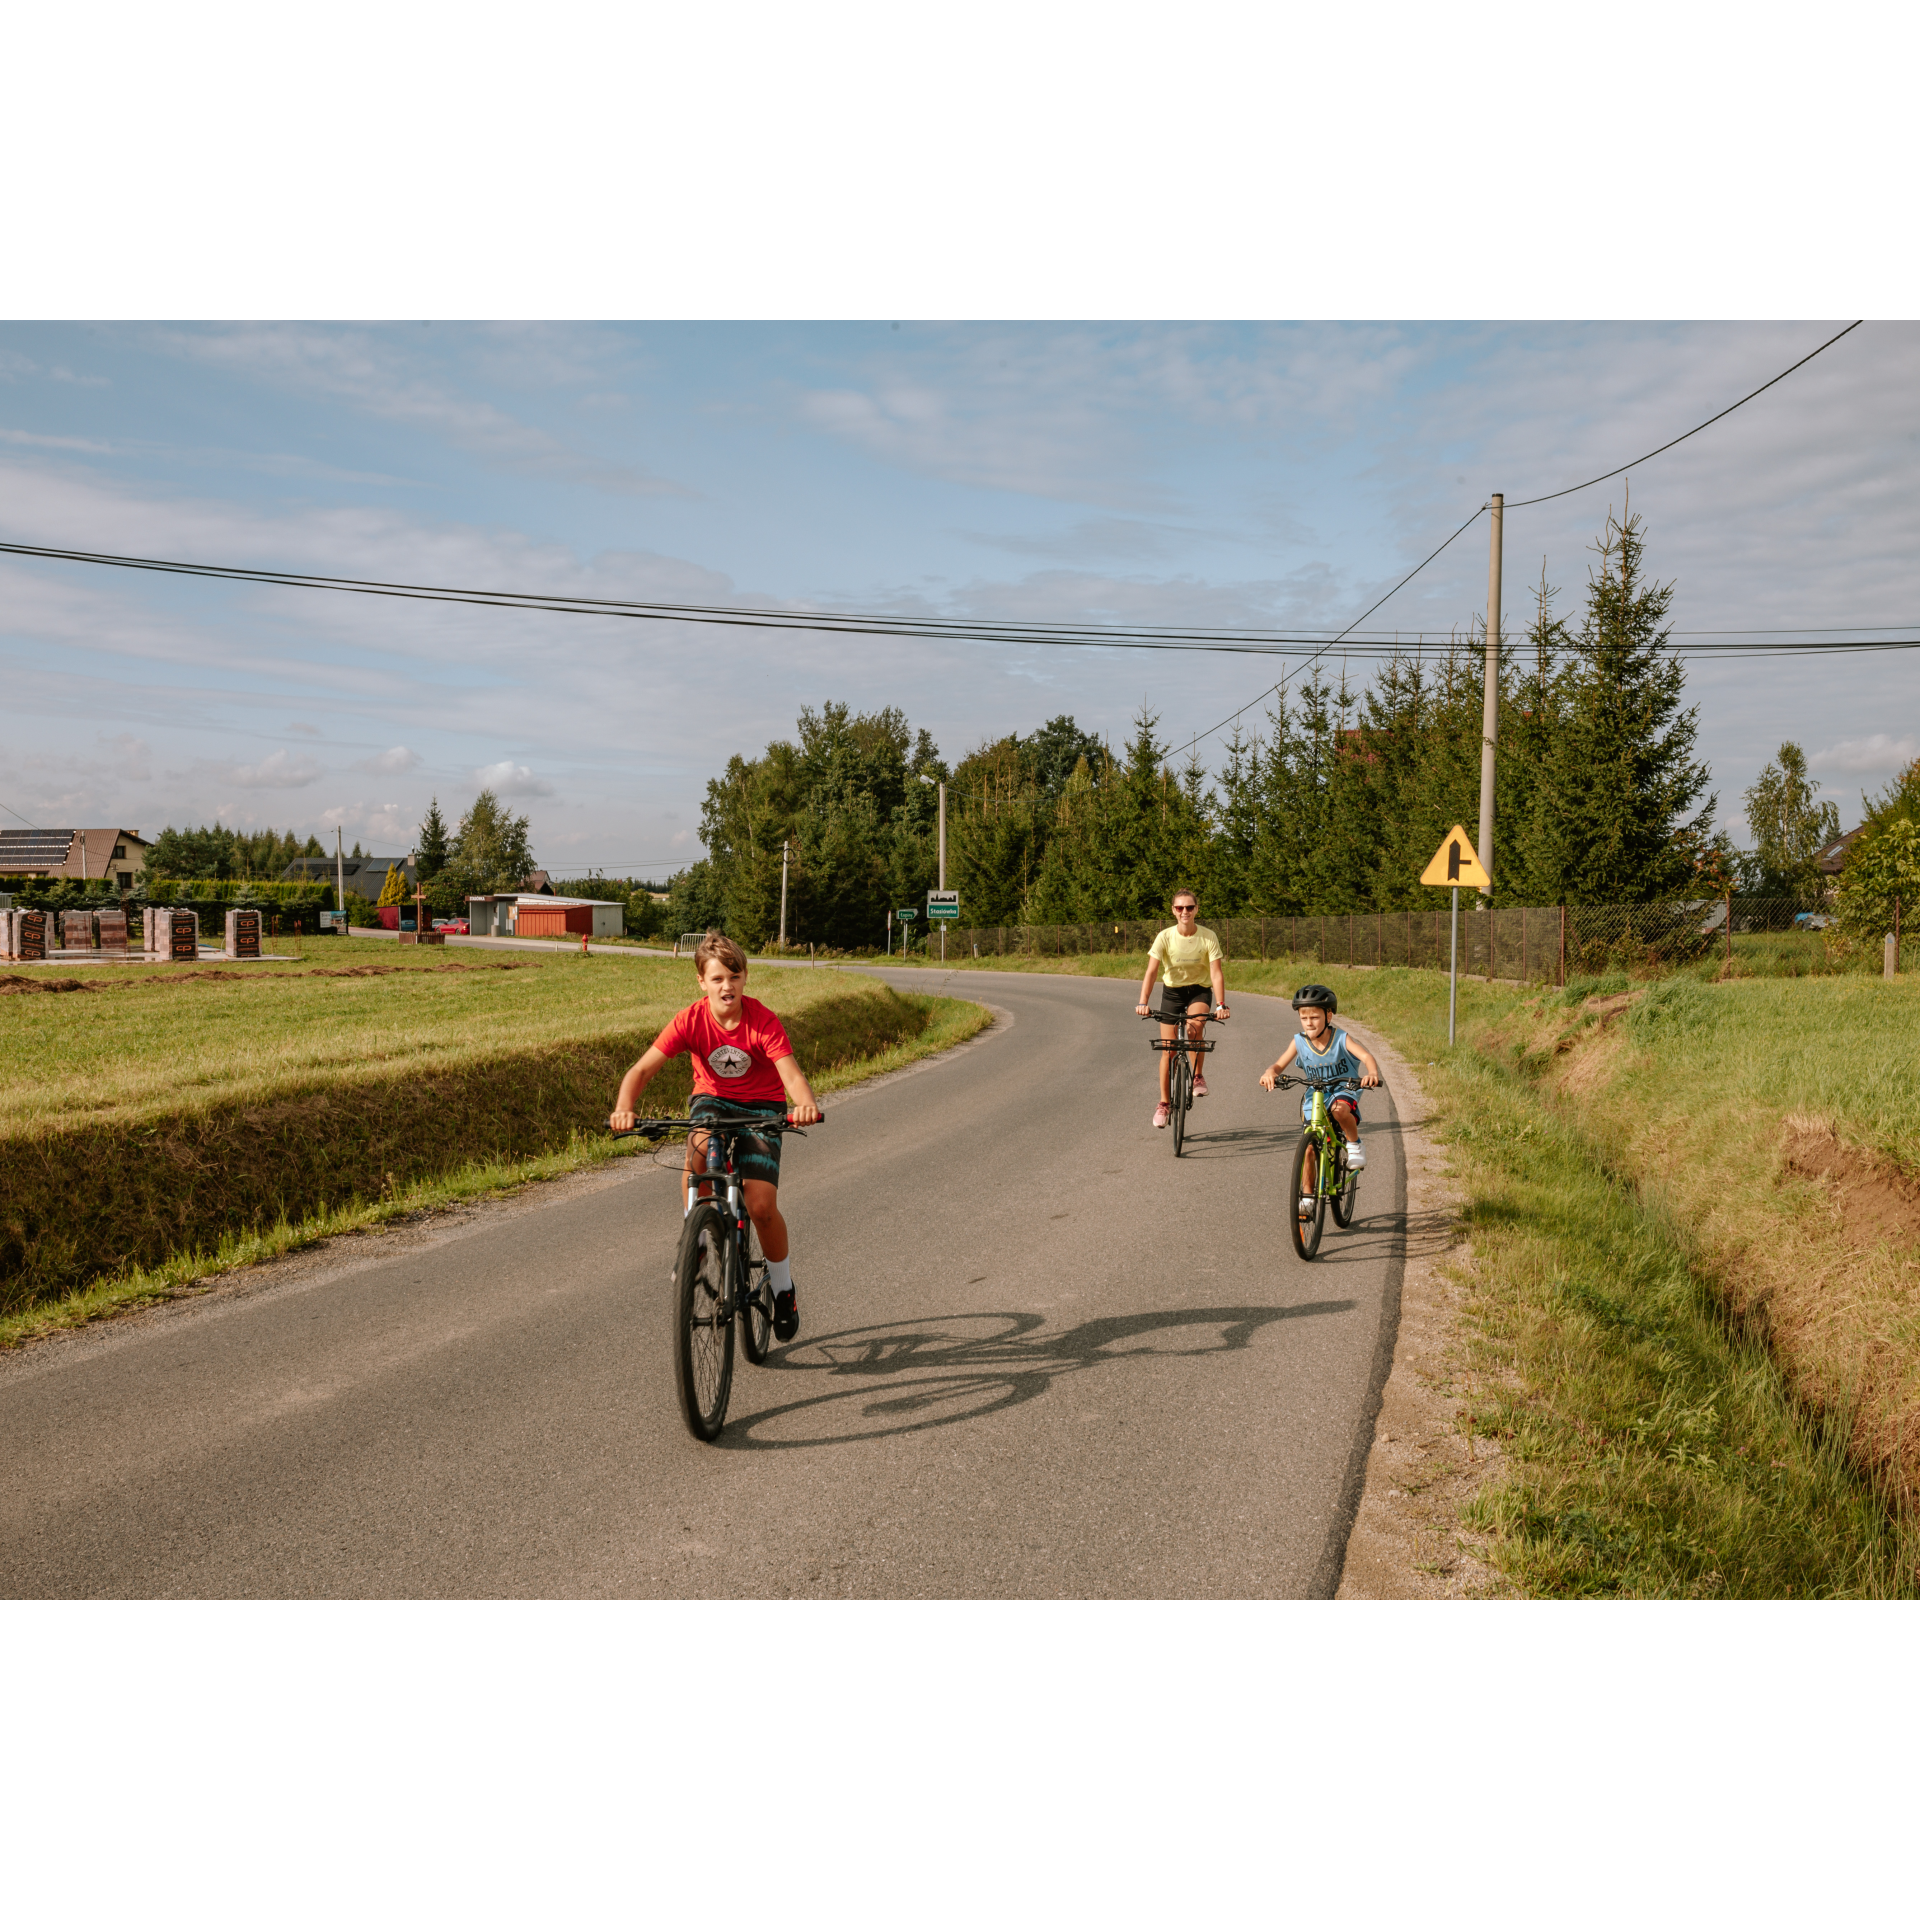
(730, 1066)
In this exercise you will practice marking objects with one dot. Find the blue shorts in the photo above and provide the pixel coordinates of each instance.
(1350, 1095)
(756, 1155)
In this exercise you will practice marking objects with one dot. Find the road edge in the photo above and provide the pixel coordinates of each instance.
(1418, 1468)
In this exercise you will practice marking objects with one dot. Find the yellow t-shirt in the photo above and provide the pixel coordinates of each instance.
(1184, 957)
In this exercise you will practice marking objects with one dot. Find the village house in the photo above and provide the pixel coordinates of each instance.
(87, 854)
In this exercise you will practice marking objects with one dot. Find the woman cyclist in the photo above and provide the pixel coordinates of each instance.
(1190, 953)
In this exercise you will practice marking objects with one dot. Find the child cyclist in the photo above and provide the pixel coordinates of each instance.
(1323, 1053)
(743, 1068)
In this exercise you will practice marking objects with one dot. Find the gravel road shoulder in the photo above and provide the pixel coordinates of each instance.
(1407, 1541)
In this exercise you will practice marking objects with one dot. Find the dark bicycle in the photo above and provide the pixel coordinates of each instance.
(1320, 1171)
(719, 1273)
(1180, 1078)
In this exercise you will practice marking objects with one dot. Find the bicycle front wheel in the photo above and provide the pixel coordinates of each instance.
(1346, 1189)
(1182, 1088)
(703, 1321)
(1306, 1186)
(755, 1295)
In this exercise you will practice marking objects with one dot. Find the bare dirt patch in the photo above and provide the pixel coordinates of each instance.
(1872, 1206)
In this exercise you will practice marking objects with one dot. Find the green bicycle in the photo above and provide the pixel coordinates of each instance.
(1320, 1170)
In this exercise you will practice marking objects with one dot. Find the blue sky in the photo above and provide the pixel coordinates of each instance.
(1260, 475)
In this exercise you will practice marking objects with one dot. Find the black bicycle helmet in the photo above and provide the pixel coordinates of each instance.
(1321, 997)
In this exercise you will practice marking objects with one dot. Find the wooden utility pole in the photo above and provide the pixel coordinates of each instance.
(1490, 712)
(784, 845)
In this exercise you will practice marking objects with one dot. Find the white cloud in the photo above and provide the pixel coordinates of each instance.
(394, 760)
(58, 442)
(372, 373)
(1878, 753)
(280, 769)
(512, 782)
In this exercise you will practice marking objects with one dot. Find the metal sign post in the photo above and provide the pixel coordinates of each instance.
(1455, 866)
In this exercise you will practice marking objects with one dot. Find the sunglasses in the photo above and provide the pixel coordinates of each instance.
(1186, 909)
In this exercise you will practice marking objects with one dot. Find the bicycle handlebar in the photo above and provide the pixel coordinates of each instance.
(1326, 1086)
(659, 1129)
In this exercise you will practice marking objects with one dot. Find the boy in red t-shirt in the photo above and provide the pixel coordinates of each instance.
(743, 1068)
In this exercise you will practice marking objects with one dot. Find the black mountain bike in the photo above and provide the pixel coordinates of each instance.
(1320, 1171)
(719, 1275)
(1180, 1078)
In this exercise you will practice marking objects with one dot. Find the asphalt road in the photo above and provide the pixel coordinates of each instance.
(1038, 1356)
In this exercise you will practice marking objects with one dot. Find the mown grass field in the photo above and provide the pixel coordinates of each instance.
(1694, 1292)
(155, 1119)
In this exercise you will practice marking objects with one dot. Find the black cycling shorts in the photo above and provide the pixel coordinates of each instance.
(1175, 1004)
(756, 1155)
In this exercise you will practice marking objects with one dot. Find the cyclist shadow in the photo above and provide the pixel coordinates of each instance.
(911, 1375)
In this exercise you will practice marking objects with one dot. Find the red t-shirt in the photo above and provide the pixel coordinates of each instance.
(730, 1066)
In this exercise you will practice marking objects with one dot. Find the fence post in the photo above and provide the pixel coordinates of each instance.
(1729, 898)
(1563, 943)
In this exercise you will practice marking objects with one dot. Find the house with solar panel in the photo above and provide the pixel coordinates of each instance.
(87, 854)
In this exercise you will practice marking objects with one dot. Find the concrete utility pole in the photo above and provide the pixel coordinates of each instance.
(1490, 716)
(784, 844)
(339, 873)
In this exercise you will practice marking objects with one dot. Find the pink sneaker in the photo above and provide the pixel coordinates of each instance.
(1162, 1114)
(1199, 1086)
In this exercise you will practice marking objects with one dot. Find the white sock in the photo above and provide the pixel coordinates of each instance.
(780, 1272)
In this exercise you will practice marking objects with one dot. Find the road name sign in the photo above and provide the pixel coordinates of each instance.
(906, 913)
(943, 906)
(1456, 864)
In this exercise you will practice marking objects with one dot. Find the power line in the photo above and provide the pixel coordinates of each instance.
(1540, 499)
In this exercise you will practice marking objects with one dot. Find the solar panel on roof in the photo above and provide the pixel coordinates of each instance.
(34, 846)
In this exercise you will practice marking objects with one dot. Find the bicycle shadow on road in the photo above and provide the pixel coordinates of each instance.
(915, 1374)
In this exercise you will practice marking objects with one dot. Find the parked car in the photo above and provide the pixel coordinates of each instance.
(449, 926)
(1813, 922)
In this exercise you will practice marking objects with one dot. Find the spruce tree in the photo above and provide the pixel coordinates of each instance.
(1619, 779)
(433, 851)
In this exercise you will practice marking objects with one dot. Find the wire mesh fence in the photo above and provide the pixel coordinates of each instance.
(1547, 945)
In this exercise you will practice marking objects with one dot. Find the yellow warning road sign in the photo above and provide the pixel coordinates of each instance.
(1456, 864)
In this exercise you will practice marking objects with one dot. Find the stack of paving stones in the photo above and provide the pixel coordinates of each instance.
(76, 930)
(183, 934)
(243, 933)
(112, 928)
(23, 930)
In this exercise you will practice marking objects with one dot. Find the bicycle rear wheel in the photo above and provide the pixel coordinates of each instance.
(1346, 1189)
(1306, 1183)
(755, 1294)
(703, 1321)
(1182, 1090)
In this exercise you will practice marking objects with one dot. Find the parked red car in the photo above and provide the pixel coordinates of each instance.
(450, 926)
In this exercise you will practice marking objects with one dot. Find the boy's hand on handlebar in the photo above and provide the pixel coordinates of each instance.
(805, 1113)
(1371, 1078)
(1270, 1079)
(621, 1120)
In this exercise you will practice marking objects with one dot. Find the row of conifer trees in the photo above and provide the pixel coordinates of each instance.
(1333, 803)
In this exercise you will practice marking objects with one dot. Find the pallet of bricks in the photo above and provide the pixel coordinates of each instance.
(171, 933)
(24, 933)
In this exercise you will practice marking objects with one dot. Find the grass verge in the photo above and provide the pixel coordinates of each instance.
(263, 1149)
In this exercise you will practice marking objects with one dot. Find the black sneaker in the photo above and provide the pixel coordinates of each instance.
(786, 1314)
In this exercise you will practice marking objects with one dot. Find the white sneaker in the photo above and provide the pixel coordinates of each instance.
(1356, 1155)
(1306, 1206)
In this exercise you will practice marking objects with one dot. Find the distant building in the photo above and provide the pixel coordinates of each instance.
(364, 876)
(530, 915)
(115, 854)
(1833, 859)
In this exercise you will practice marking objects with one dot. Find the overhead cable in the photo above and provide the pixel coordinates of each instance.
(1540, 499)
